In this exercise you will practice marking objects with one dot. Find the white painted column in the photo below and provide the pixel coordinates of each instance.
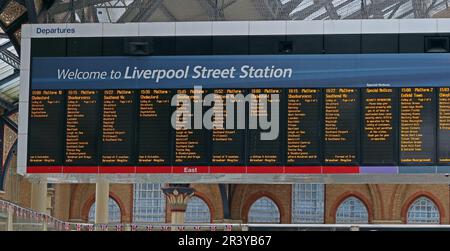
(101, 201)
(39, 195)
(9, 220)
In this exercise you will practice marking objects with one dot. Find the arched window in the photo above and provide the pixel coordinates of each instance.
(352, 210)
(423, 211)
(149, 203)
(307, 203)
(264, 210)
(113, 210)
(197, 211)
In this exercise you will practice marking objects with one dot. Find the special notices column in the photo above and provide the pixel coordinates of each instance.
(417, 126)
(118, 132)
(379, 135)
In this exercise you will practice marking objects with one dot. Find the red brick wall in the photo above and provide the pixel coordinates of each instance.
(386, 203)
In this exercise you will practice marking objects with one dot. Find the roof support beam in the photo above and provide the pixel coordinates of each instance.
(9, 57)
(167, 12)
(331, 10)
(11, 124)
(301, 15)
(287, 8)
(64, 7)
(214, 12)
(6, 105)
(140, 11)
(31, 11)
(375, 8)
(11, 77)
(154, 5)
(420, 8)
(268, 13)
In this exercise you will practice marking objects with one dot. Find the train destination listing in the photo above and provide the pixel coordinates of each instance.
(344, 113)
(310, 127)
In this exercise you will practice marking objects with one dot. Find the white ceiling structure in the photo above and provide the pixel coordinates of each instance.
(88, 11)
(210, 10)
(9, 73)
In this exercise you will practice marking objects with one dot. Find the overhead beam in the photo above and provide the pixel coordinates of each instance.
(331, 10)
(9, 57)
(307, 11)
(6, 105)
(419, 8)
(265, 11)
(287, 8)
(65, 7)
(214, 11)
(376, 6)
(11, 77)
(31, 11)
(167, 12)
(145, 16)
(139, 11)
(9, 122)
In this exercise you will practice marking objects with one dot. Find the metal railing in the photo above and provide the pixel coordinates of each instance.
(16, 218)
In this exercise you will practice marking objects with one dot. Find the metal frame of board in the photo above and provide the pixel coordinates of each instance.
(432, 174)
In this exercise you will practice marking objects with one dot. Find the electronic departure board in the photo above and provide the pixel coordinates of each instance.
(82, 123)
(379, 134)
(263, 152)
(228, 132)
(304, 126)
(190, 137)
(317, 127)
(341, 142)
(417, 125)
(444, 125)
(155, 130)
(46, 129)
(118, 129)
(291, 114)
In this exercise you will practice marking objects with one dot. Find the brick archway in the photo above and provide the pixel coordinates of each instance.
(417, 195)
(347, 195)
(90, 201)
(254, 197)
(208, 202)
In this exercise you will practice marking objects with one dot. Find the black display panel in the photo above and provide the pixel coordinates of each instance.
(379, 130)
(341, 139)
(417, 126)
(316, 127)
(228, 132)
(444, 126)
(154, 138)
(46, 130)
(118, 132)
(304, 116)
(190, 137)
(264, 152)
(82, 109)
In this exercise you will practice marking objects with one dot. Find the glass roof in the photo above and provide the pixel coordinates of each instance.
(9, 76)
(229, 10)
(89, 11)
